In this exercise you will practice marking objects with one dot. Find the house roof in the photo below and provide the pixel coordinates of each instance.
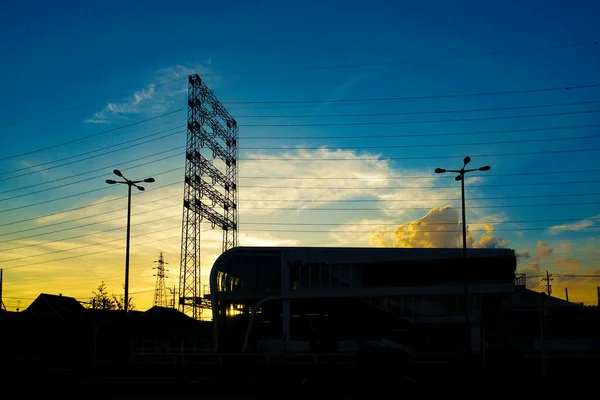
(63, 307)
(529, 299)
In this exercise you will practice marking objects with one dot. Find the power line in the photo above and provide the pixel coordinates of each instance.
(271, 200)
(244, 223)
(112, 147)
(414, 177)
(421, 208)
(421, 112)
(96, 252)
(423, 97)
(77, 208)
(419, 187)
(87, 245)
(92, 135)
(273, 137)
(101, 169)
(270, 230)
(71, 108)
(300, 69)
(411, 231)
(37, 203)
(375, 135)
(301, 148)
(376, 158)
(373, 64)
(370, 123)
(87, 158)
(82, 235)
(426, 145)
(72, 183)
(104, 213)
(428, 223)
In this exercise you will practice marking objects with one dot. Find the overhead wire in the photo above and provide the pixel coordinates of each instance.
(372, 123)
(302, 69)
(422, 97)
(374, 135)
(113, 148)
(455, 111)
(373, 158)
(91, 135)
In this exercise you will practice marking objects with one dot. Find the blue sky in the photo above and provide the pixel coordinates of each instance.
(75, 69)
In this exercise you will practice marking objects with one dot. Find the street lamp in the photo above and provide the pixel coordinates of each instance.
(129, 184)
(461, 177)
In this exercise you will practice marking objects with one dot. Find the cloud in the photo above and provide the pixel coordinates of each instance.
(160, 95)
(576, 226)
(523, 254)
(544, 249)
(439, 228)
(320, 183)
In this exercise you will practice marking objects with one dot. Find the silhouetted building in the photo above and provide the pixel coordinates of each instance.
(298, 299)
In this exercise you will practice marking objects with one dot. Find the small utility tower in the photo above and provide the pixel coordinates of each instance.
(548, 278)
(160, 292)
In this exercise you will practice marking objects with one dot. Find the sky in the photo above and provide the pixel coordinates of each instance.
(344, 111)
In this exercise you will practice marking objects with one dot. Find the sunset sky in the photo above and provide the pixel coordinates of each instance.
(345, 109)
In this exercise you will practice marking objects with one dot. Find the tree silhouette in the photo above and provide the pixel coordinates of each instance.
(101, 299)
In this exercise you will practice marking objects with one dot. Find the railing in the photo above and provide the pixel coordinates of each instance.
(521, 280)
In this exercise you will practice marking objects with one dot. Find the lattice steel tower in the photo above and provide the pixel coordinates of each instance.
(210, 188)
(160, 291)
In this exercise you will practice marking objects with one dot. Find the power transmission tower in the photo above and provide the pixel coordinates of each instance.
(210, 187)
(548, 278)
(160, 291)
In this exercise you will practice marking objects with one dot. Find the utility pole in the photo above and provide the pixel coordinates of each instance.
(548, 278)
(173, 292)
(2, 306)
(567, 294)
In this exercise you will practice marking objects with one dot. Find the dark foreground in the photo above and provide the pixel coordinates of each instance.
(378, 381)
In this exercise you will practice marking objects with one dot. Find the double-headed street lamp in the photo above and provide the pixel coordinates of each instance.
(461, 177)
(129, 184)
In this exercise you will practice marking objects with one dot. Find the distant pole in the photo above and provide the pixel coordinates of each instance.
(548, 278)
(1, 301)
(567, 294)
(542, 352)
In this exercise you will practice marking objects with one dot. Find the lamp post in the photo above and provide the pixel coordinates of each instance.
(461, 177)
(129, 184)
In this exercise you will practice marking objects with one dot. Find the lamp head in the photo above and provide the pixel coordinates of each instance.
(485, 168)
(467, 160)
(439, 170)
(149, 180)
(458, 178)
(117, 173)
(141, 188)
(111, 182)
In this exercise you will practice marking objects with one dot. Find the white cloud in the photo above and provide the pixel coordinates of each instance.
(160, 95)
(575, 226)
